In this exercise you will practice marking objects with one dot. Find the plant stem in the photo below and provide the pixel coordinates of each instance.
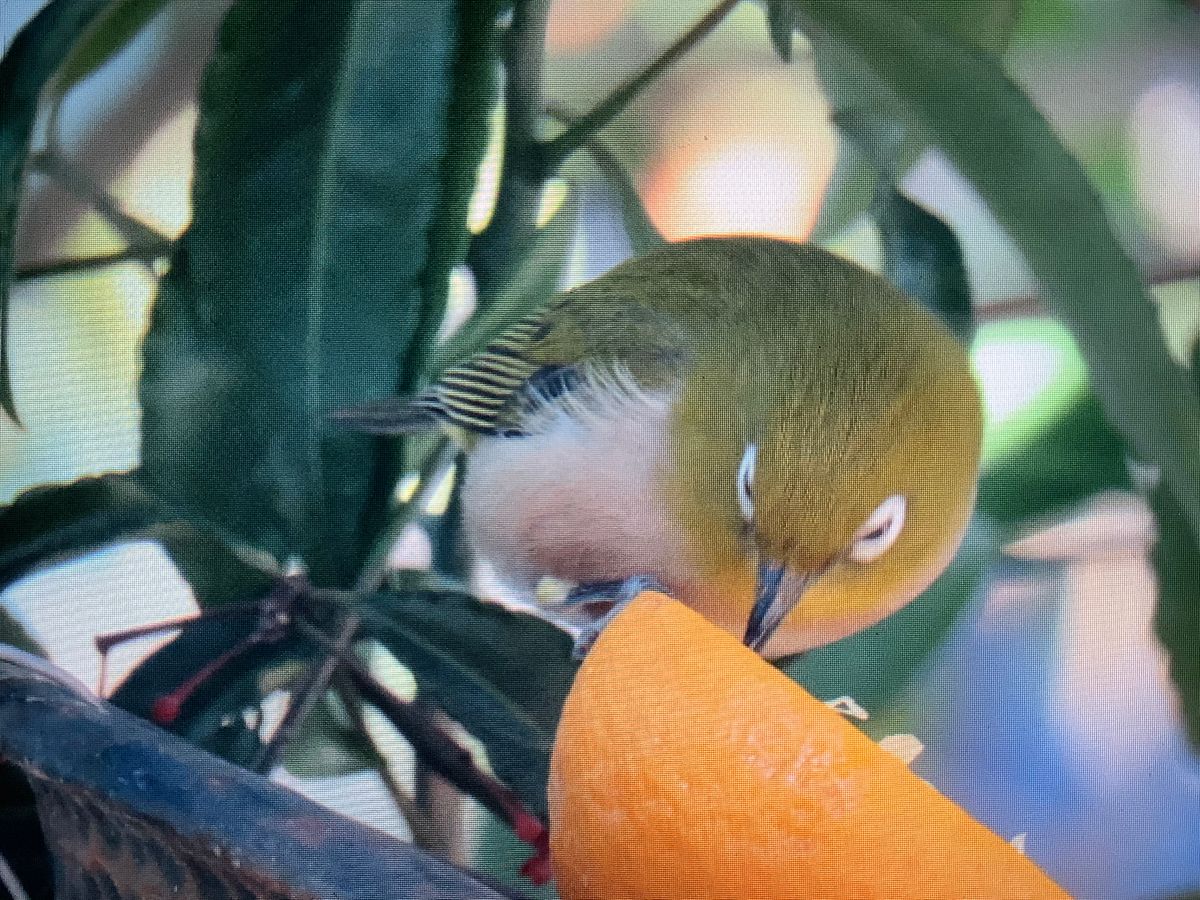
(553, 152)
(494, 252)
(307, 693)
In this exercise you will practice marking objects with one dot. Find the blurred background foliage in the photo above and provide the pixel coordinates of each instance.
(207, 252)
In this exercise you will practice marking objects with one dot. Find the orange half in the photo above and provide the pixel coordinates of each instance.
(685, 766)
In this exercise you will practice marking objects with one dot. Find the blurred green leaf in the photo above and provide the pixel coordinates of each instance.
(295, 290)
(50, 523)
(1176, 559)
(1041, 196)
(874, 665)
(535, 282)
(862, 99)
(782, 23)
(921, 255)
(1075, 457)
(328, 743)
(502, 675)
(108, 35)
(31, 61)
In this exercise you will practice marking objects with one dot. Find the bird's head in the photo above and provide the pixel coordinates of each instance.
(826, 476)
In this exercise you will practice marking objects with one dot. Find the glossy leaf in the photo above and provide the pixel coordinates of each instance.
(921, 255)
(13, 633)
(108, 35)
(31, 61)
(222, 716)
(502, 675)
(874, 665)
(947, 89)
(296, 289)
(51, 523)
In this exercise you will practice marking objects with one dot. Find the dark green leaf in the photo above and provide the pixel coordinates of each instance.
(215, 573)
(502, 675)
(1072, 459)
(223, 714)
(30, 62)
(1042, 197)
(47, 524)
(296, 289)
(874, 665)
(1176, 559)
(108, 35)
(328, 743)
(921, 255)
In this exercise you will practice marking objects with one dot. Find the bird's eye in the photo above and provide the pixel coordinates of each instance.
(745, 480)
(880, 530)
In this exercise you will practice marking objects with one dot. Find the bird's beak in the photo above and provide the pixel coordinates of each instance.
(769, 607)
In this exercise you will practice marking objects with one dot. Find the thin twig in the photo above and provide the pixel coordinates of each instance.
(306, 695)
(433, 744)
(554, 151)
(143, 253)
(77, 182)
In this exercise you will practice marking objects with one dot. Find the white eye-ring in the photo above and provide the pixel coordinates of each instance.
(880, 530)
(745, 480)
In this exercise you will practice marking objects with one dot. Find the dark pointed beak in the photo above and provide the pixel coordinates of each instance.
(769, 607)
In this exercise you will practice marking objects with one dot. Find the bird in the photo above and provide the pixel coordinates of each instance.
(764, 430)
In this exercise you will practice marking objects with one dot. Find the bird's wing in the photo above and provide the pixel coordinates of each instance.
(539, 359)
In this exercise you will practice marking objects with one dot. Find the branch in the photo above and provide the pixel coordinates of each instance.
(305, 696)
(552, 153)
(146, 254)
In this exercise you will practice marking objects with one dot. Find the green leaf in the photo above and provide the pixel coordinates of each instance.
(1073, 458)
(51, 523)
(213, 569)
(223, 714)
(1042, 197)
(502, 675)
(782, 23)
(296, 289)
(922, 257)
(31, 61)
(1176, 560)
(110, 33)
(863, 100)
(874, 665)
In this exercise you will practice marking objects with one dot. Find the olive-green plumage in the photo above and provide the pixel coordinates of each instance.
(608, 432)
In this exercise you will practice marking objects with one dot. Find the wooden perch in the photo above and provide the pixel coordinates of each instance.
(130, 811)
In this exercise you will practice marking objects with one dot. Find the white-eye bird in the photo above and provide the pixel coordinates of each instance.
(781, 439)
